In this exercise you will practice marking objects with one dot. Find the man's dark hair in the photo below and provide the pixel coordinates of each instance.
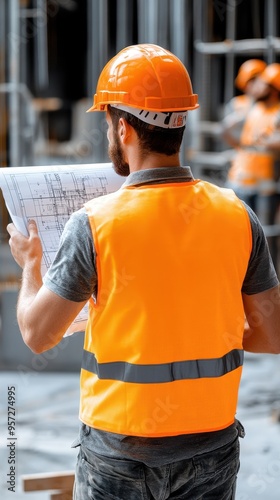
(151, 138)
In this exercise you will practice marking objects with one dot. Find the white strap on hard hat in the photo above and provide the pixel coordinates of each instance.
(168, 120)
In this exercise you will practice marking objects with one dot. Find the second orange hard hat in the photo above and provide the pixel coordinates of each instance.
(271, 75)
(248, 70)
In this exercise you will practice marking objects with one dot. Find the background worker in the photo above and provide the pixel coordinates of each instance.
(255, 166)
(238, 107)
(170, 266)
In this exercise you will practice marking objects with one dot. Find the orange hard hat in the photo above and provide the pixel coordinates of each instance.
(145, 76)
(271, 75)
(248, 70)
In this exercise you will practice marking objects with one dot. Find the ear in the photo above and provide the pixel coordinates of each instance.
(125, 131)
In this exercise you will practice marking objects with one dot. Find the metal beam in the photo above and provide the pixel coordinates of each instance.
(41, 45)
(249, 46)
(124, 24)
(270, 29)
(3, 121)
(180, 16)
(180, 22)
(98, 55)
(202, 60)
(230, 35)
(13, 75)
(163, 13)
(148, 20)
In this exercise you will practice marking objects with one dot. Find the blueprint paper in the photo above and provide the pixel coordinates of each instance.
(49, 195)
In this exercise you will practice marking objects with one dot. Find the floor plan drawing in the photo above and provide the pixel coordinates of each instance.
(49, 195)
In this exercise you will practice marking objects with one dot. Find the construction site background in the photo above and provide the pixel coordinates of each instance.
(51, 54)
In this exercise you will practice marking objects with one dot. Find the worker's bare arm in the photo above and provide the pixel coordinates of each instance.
(262, 333)
(43, 316)
(44, 321)
(229, 125)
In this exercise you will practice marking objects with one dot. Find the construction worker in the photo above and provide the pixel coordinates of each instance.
(255, 166)
(170, 266)
(238, 107)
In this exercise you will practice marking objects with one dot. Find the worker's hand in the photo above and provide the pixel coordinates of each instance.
(25, 250)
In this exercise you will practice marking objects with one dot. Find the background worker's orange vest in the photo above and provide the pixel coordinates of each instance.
(240, 104)
(253, 167)
(163, 345)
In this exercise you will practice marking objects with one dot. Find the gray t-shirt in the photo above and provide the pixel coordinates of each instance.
(73, 276)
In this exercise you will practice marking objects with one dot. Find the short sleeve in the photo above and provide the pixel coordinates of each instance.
(72, 274)
(261, 274)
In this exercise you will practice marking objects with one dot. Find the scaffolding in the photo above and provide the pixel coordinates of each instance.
(15, 97)
(204, 34)
(216, 65)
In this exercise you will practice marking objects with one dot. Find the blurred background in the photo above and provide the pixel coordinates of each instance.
(51, 54)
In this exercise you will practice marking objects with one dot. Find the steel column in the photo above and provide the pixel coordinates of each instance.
(3, 121)
(124, 23)
(148, 20)
(13, 75)
(163, 13)
(230, 35)
(181, 20)
(270, 29)
(202, 62)
(98, 55)
(41, 45)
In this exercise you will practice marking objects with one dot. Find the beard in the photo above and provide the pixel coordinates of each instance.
(115, 153)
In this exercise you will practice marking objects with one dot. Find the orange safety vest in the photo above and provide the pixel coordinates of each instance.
(252, 167)
(163, 345)
(241, 104)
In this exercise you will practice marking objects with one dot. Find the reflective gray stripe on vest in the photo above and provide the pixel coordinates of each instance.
(165, 372)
